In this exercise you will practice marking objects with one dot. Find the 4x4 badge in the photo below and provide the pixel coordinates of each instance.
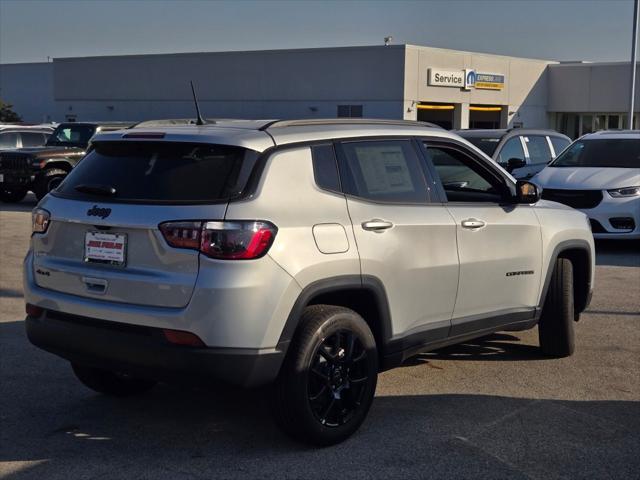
(96, 211)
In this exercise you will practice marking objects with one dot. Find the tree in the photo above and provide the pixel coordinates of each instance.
(7, 114)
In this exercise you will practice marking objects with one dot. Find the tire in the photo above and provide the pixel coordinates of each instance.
(12, 194)
(328, 379)
(555, 328)
(48, 179)
(111, 383)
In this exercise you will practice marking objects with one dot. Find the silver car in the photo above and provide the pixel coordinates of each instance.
(305, 255)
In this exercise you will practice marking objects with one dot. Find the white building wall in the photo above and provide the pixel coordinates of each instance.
(305, 83)
(29, 88)
(525, 90)
(134, 111)
(592, 88)
(302, 83)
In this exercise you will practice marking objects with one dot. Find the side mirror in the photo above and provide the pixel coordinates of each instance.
(515, 163)
(527, 192)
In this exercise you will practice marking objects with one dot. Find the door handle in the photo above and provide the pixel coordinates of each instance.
(376, 225)
(472, 223)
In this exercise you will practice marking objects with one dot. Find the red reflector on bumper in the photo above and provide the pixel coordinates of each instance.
(33, 311)
(180, 337)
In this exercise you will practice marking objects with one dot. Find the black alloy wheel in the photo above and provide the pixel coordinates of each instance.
(328, 380)
(338, 377)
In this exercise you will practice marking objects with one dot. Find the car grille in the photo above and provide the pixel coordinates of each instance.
(12, 161)
(574, 198)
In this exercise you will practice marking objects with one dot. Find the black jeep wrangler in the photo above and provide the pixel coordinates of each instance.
(41, 169)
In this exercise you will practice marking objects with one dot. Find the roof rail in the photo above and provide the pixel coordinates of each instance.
(345, 121)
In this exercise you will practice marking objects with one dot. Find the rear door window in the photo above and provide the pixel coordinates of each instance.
(559, 144)
(538, 149)
(386, 171)
(8, 140)
(32, 139)
(161, 172)
(511, 149)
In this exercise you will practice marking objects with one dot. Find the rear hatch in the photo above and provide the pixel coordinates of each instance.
(104, 240)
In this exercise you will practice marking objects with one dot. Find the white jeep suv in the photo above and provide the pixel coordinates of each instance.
(306, 255)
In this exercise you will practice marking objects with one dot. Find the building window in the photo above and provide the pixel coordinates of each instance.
(349, 111)
(574, 124)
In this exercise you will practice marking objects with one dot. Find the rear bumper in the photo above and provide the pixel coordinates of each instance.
(144, 352)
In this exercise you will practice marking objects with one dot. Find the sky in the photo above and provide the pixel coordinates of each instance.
(593, 30)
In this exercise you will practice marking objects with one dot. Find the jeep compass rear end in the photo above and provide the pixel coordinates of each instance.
(134, 245)
(304, 255)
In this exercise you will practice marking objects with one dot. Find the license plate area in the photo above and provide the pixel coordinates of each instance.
(105, 248)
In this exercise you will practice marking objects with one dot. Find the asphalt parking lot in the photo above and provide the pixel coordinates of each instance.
(491, 408)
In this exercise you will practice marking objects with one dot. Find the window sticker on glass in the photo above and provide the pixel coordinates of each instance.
(384, 169)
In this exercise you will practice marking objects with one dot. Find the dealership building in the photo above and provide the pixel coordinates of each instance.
(454, 89)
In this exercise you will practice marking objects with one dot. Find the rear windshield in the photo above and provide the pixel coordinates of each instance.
(487, 145)
(160, 172)
(612, 153)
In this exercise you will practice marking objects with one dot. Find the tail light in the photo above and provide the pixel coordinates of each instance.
(182, 234)
(40, 220)
(225, 240)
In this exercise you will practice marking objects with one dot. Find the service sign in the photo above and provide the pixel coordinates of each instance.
(446, 78)
(489, 81)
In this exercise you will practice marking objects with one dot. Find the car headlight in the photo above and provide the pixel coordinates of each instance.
(625, 192)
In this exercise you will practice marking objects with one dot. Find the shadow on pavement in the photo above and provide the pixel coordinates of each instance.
(497, 346)
(618, 253)
(25, 205)
(67, 431)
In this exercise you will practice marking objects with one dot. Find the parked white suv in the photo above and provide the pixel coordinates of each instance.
(600, 175)
(308, 255)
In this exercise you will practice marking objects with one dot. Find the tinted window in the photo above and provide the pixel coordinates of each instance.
(163, 172)
(559, 144)
(325, 167)
(32, 139)
(511, 149)
(71, 135)
(463, 178)
(383, 171)
(538, 149)
(487, 145)
(614, 153)
(8, 140)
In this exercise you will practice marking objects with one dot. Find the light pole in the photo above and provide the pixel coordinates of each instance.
(634, 40)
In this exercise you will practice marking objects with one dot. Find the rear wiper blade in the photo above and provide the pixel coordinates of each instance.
(106, 190)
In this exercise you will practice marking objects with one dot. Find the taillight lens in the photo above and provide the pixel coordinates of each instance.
(225, 240)
(236, 240)
(182, 234)
(40, 220)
